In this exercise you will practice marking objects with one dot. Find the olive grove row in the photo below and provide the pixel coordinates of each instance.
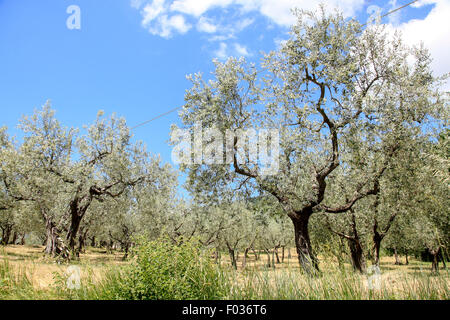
(362, 159)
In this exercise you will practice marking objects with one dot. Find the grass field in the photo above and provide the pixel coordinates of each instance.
(26, 274)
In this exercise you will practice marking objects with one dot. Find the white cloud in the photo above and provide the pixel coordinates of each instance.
(178, 23)
(242, 24)
(155, 17)
(168, 17)
(166, 26)
(277, 11)
(152, 11)
(394, 18)
(198, 7)
(136, 3)
(241, 50)
(434, 32)
(206, 25)
(422, 3)
(279, 42)
(221, 37)
(222, 52)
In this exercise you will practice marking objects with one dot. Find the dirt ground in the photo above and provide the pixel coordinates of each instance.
(41, 270)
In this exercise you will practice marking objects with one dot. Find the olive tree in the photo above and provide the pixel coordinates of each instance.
(64, 173)
(238, 231)
(330, 88)
(26, 178)
(375, 216)
(6, 199)
(432, 221)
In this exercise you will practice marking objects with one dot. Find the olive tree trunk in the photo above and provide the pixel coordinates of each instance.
(357, 255)
(54, 245)
(306, 257)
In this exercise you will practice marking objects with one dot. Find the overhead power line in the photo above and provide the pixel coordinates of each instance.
(178, 108)
(399, 8)
(395, 10)
(156, 118)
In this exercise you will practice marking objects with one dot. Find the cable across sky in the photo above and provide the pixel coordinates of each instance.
(178, 108)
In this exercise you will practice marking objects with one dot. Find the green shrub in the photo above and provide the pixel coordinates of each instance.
(163, 270)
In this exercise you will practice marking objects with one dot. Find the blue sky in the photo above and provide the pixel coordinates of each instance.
(131, 57)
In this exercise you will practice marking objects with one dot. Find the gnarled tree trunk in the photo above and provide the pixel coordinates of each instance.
(306, 257)
(244, 260)
(435, 253)
(255, 254)
(397, 261)
(232, 258)
(72, 234)
(14, 238)
(357, 255)
(6, 234)
(441, 255)
(435, 261)
(275, 250)
(54, 246)
(269, 263)
(377, 238)
(126, 250)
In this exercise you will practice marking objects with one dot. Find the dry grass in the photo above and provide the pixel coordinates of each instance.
(387, 264)
(413, 281)
(41, 270)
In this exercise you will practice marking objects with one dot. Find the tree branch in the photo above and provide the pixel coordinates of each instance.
(374, 190)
